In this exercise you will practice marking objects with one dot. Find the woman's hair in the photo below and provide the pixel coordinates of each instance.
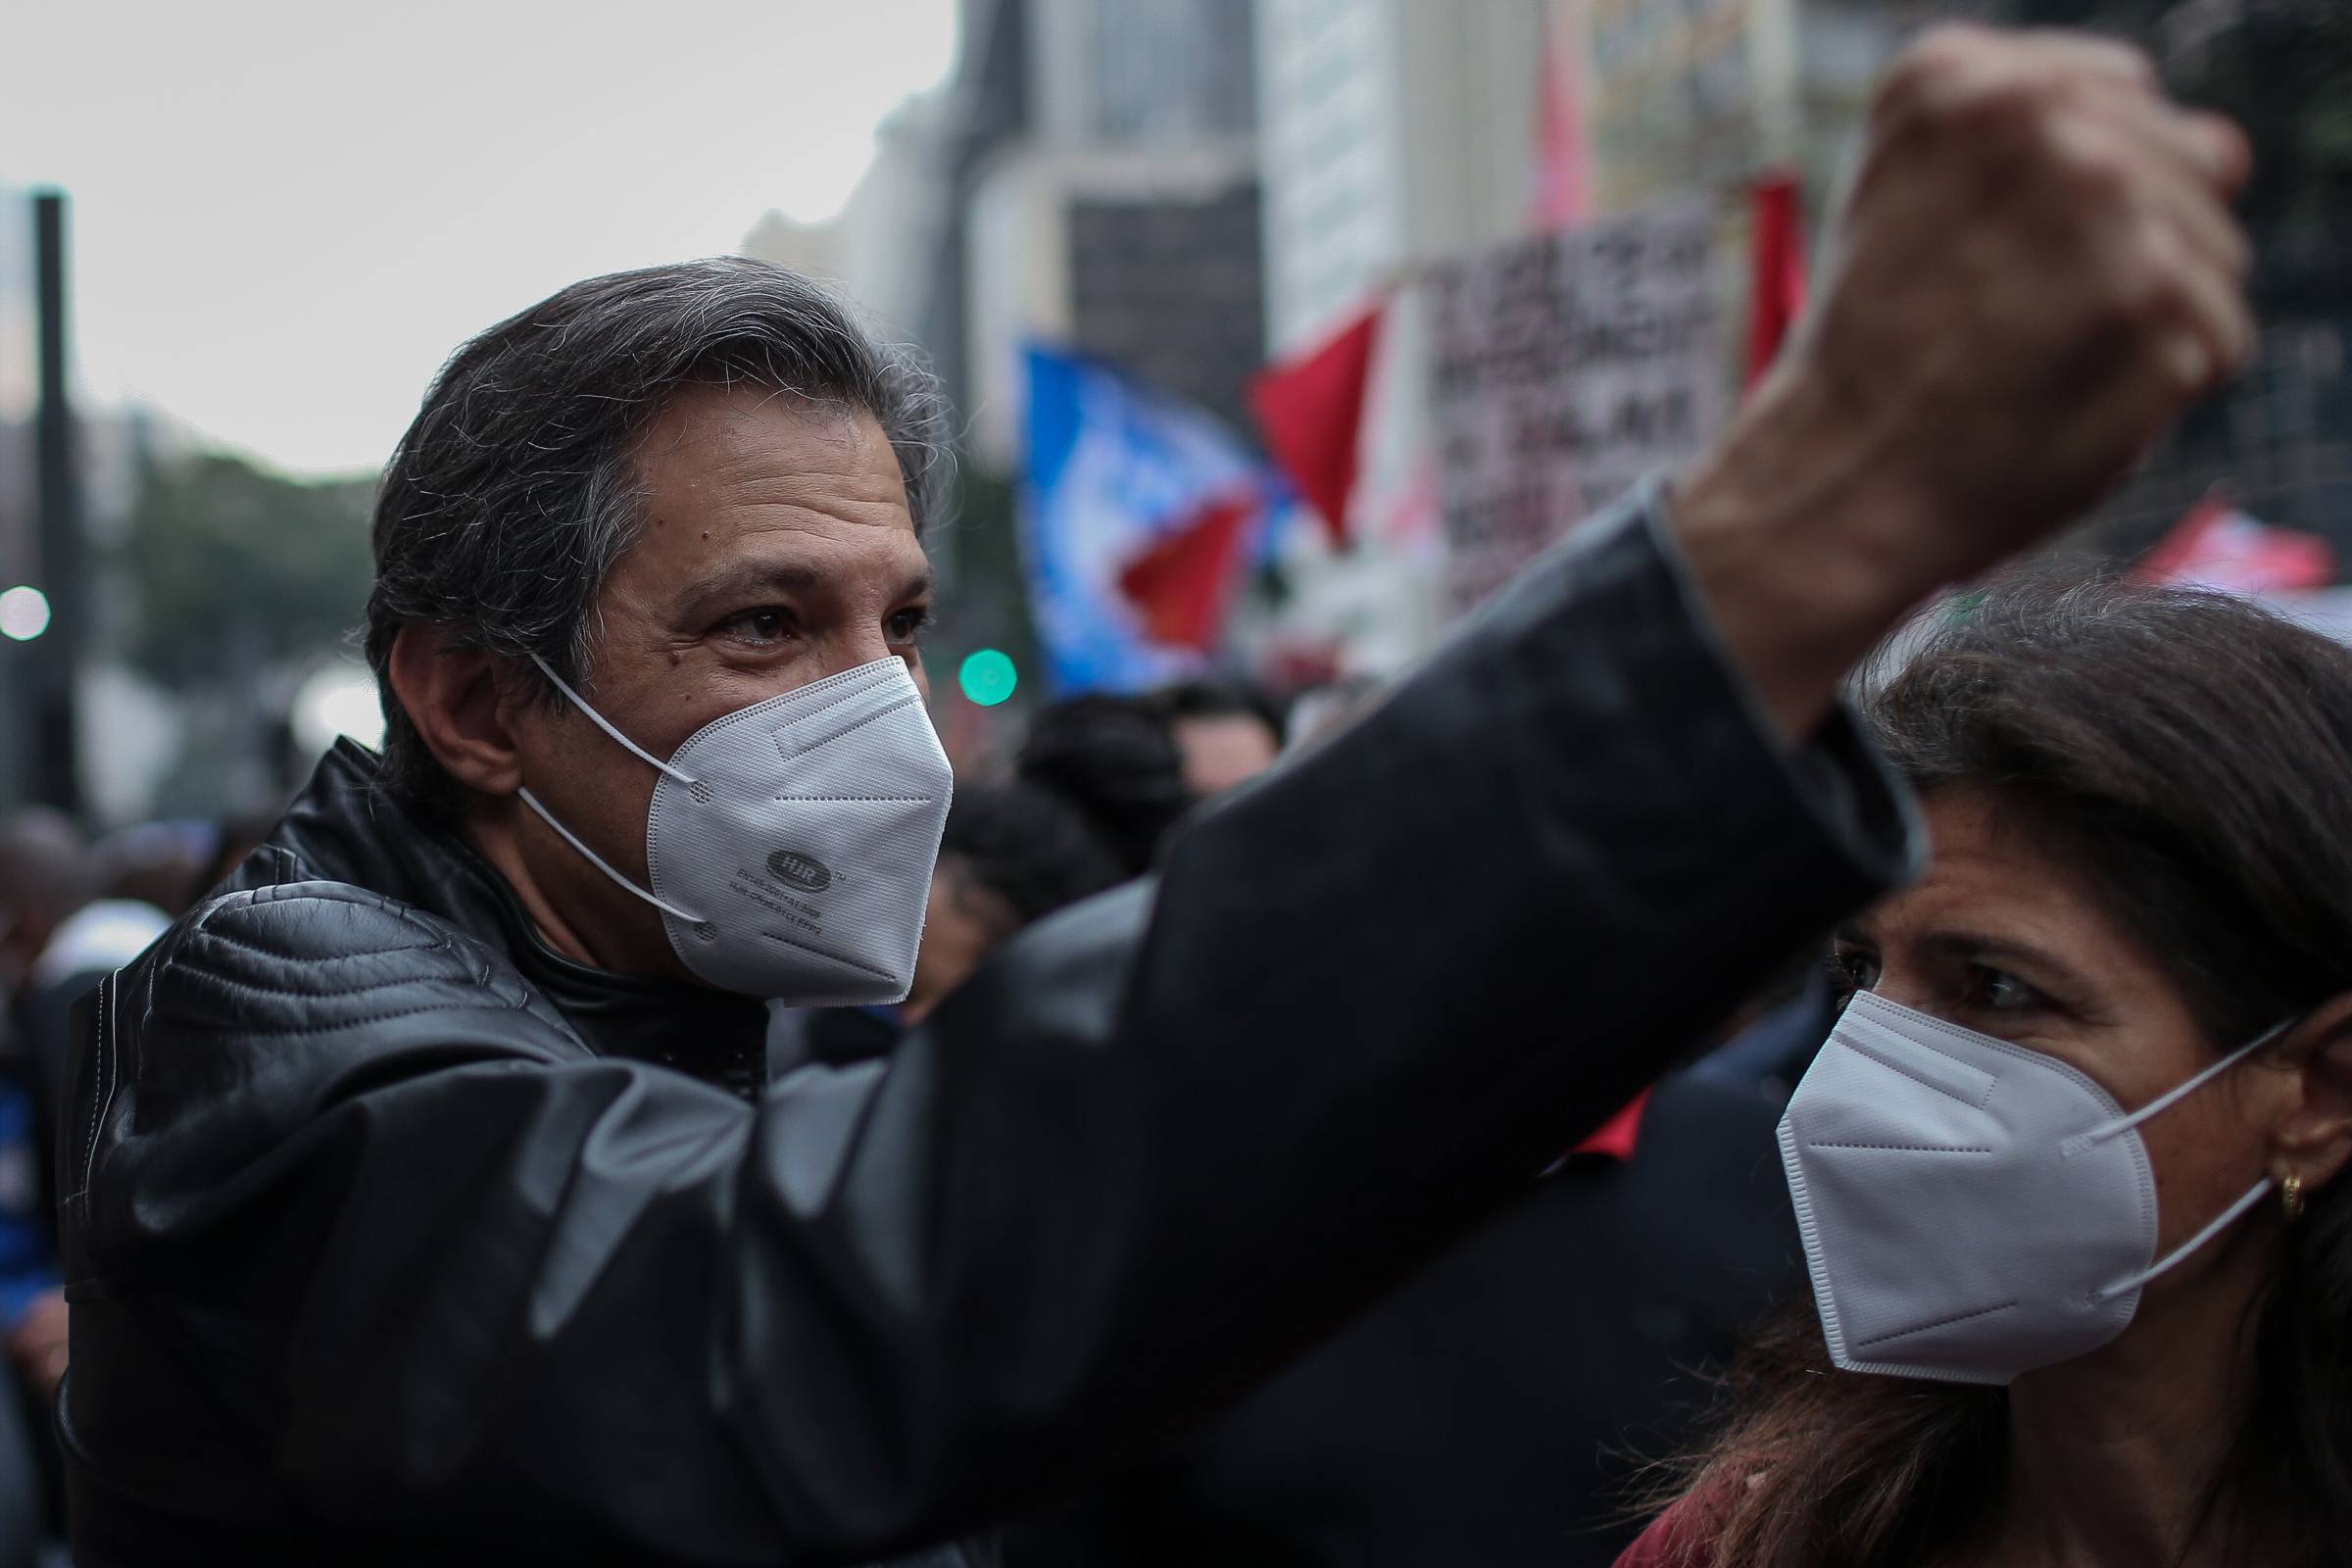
(2191, 755)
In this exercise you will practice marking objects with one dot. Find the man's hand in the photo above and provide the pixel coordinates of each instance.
(2036, 272)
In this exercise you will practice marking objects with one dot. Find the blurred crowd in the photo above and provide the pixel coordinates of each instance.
(72, 911)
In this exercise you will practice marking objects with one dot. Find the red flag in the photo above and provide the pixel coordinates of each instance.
(1310, 409)
(1563, 185)
(1184, 581)
(1778, 293)
(2218, 546)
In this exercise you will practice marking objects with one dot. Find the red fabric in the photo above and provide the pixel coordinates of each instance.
(1777, 292)
(1676, 1539)
(2217, 546)
(1618, 1136)
(1563, 185)
(1310, 409)
(1184, 583)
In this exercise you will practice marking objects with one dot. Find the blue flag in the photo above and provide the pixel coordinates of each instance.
(1111, 468)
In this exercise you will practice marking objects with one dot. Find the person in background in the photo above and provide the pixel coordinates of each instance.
(1226, 733)
(1115, 759)
(48, 934)
(2071, 1160)
(133, 883)
(44, 877)
(1011, 854)
(46, 881)
(141, 878)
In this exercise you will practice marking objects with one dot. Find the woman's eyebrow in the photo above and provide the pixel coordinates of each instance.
(1977, 948)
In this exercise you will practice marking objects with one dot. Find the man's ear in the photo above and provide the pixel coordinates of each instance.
(2313, 1140)
(453, 695)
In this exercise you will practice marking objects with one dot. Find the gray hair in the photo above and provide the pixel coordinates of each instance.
(515, 492)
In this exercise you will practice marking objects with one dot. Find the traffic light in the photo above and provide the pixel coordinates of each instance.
(988, 676)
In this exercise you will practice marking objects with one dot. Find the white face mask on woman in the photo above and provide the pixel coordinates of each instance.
(1972, 1210)
(791, 843)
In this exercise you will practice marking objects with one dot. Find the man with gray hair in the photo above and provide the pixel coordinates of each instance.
(424, 1198)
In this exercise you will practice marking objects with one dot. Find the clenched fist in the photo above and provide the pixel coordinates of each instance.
(2035, 274)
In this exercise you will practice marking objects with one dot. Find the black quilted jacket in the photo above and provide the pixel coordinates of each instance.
(393, 1237)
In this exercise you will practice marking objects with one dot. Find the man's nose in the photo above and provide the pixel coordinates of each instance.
(852, 649)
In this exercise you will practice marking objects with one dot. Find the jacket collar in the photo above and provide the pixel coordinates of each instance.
(346, 827)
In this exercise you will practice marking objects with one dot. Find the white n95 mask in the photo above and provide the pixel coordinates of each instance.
(791, 843)
(1971, 1210)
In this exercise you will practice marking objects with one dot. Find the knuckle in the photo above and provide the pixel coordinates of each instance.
(1926, 73)
(2150, 287)
(2120, 58)
(2187, 364)
(2141, 291)
(2099, 174)
(1946, 45)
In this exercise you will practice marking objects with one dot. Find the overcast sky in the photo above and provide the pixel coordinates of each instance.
(286, 212)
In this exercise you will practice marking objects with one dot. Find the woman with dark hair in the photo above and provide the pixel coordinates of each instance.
(2067, 1169)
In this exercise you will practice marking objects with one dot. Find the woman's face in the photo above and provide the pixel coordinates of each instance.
(2000, 938)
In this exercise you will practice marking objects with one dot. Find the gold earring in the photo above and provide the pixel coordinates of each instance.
(2290, 1195)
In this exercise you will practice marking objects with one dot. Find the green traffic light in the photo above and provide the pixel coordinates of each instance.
(988, 677)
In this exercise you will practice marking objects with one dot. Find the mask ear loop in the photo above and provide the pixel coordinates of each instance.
(608, 727)
(2083, 1142)
(597, 861)
(2227, 1218)
(573, 838)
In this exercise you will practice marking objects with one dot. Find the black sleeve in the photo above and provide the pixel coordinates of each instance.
(1168, 1137)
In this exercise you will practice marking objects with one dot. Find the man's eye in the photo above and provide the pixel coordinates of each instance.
(758, 625)
(906, 625)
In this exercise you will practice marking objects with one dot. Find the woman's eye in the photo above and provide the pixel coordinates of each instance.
(1998, 991)
(1854, 969)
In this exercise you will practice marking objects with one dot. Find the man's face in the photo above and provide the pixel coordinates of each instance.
(777, 550)
(1222, 751)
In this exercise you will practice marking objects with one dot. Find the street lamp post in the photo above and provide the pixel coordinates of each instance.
(54, 776)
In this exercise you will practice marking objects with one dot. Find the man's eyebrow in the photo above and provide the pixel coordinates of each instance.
(733, 583)
(728, 583)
